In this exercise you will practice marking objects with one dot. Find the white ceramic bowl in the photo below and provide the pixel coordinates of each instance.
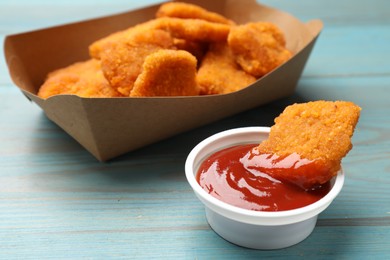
(248, 228)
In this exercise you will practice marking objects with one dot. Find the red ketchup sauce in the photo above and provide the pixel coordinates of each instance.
(242, 177)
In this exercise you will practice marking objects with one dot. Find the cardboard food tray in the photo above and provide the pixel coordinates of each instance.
(108, 127)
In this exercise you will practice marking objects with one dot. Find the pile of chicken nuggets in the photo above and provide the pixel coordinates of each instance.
(185, 51)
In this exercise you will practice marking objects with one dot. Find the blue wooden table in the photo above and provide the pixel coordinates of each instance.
(57, 201)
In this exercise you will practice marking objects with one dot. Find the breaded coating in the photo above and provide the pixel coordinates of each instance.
(190, 11)
(167, 73)
(319, 131)
(219, 73)
(122, 61)
(98, 46)
(259, 47)
(84, 79)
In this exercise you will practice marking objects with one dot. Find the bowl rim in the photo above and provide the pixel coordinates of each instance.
(246, 215)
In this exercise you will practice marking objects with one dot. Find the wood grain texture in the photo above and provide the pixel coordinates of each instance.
(57, 201)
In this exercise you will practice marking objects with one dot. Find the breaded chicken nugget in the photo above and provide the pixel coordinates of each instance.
(258, 47)
(319, 131)
(167, 73)
(84, 79)
(219, 73)
(194, 29)
(190, 11)
(122, 61)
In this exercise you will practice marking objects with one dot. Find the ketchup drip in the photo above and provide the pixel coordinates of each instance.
(243, 177)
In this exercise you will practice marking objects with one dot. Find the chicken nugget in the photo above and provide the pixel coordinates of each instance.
(194, 29)
(122, 61)
(167, 73)
(258, 47)
(84, 79)
(318, 131)
(186, 11)
(219, 73)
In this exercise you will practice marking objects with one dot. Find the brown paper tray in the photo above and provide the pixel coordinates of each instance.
(108, 127)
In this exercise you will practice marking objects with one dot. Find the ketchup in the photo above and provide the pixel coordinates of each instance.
(243, 177)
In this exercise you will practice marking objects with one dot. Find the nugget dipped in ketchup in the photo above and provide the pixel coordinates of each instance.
(290, 169)
(313, 138)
